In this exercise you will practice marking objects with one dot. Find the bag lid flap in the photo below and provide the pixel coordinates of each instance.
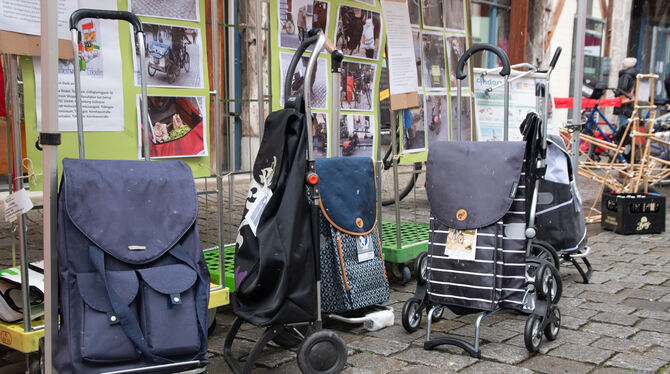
(92, 288)
(472, 184)
(169, 279)
(348, 195)
(133, 210)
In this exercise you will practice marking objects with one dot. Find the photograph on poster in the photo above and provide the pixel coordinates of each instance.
(174, 56)
(437, 117)
(455, 49)
(455, 15)
(357, 133)
(357, 86)
(413, 129)
(432, 12)
(369, 2)
(413, 6)
(320, 135)
(296, 17)
(416, 39)
(175, 9)
(178, 126)
(466, 117)
(434, 62)
(90, 51)
(358, 32)
(320, 91)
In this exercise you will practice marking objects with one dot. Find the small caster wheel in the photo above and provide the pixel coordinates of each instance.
(554, 325)
(36, 360)
(323, 352)
(556, 285)
(543, 281)
(421, 268)
(438, 313)
(291, 336)
(411, 315)
(211, 321)
(406, 274)
(532, 334)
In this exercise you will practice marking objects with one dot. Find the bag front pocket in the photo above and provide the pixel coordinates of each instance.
(102, 337)
(168, 312)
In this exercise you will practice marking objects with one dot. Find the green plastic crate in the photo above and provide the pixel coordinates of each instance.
(414, 241)
(212, 260)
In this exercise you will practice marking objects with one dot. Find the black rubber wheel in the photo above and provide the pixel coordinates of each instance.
(532, 333)
(411, 315)
(557, 285)
(542, 277)
(405, 273)
(36, 360)
(438, 313)
(323, 352)
(290, 336)
(421, 268)
(554, 326)
(546, 252)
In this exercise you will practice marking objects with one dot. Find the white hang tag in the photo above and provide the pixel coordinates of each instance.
(16, 204)
(365, 249)
(256, 210)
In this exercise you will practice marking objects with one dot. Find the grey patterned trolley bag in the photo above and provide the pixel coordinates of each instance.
(476, 251)
(134, 286)
(352, 266)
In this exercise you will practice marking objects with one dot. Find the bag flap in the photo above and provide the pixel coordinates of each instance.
(133, 210)
(271, 150)
(92, 288)
(170, 279)
(472, 184)
(348, 195)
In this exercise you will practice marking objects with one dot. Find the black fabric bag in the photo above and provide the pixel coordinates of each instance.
(275, 273)
(133, 282)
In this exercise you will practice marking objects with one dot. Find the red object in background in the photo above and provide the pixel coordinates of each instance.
(190, 144)
(350, 88)
(3, 111)
(568, 103)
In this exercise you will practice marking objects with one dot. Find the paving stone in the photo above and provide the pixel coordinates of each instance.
(663, 316)
(615, 318)
(635, 362)
(657, 306)
(654, 325)
(374, 363)
(660, 353)
(602, 307)
(241, 347)
(352, 370)
(601, 297)
(383, 347)
(275, 358)
(436, 358)
(621, 345)
(494, 367)
(608, 329)
(398, 333)
(287, 368)
(642, 293)
(582, 353)
(651, 337)
(415, 369)
(505, 353)
(570, 322)
(610, 370)
(488, 333)
(546, 346)
(556, 365)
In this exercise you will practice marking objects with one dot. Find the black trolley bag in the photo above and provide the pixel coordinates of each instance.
(133, 282)
(277, 273)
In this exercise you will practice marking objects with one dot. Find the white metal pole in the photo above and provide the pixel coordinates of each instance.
(49, 92)
(578, 70)
(217, 134)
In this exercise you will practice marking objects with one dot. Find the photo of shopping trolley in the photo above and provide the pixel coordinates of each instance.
(481, 255)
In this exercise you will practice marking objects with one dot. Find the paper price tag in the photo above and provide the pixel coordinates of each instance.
(365, 250)
(16, 204)
(256, 210)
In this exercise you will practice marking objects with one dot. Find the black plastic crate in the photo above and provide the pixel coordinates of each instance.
(633, 213)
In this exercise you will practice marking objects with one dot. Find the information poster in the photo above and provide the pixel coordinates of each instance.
(111, 112)
(356, 28)
(23, 16)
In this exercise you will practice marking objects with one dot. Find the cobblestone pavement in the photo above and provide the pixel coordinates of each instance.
(620, 322)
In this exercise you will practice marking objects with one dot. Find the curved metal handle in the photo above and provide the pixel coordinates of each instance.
(460, 74)
(79, 14)
(554, 59)
(294, 63)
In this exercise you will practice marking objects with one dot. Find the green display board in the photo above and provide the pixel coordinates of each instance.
(124, 144)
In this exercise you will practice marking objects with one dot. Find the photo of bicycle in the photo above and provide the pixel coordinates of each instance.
(357, 86)
(296, 17)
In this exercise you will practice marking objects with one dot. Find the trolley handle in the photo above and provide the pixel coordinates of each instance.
(294, 63)
(129, 17)
(460, 74)
(554, 59)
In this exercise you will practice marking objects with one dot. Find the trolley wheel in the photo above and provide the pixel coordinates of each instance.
(290, 336)
(421, 268)
(411, 315)
(151, 71)
(211, 321)
(532, 333)
(405, 273)
(438, 313)
(554, 326)
(36, 360)
(543, 281)
(545, 252)
(323, 352)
